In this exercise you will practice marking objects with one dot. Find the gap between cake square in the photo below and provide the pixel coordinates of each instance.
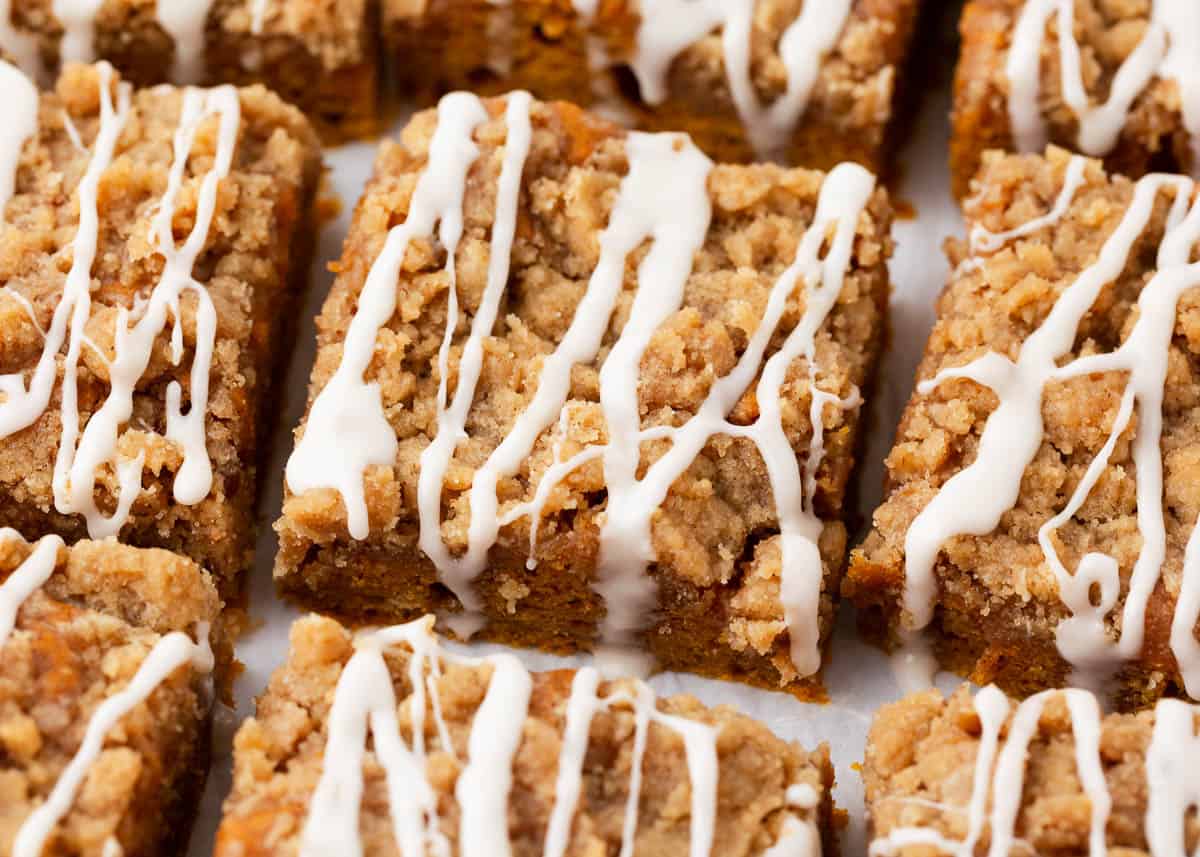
(686, 402)
(1039, 520)
(322, 57)
(807, 82)
(105, 697)
(452, 754)
(154, 244)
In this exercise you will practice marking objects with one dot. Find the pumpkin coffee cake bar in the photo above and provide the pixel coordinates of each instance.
(1041, 514)
(1050, 775)
(152, 241)
(105, 692)
(320, 55)
(384, 743)
(580, 386)
(1114, 80)
(810, 82)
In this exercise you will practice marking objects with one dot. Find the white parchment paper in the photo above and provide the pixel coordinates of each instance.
(858, 677)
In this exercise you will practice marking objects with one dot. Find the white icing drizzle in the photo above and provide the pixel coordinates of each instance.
(625, 544)
(676, 217)
(364, 701)
(258, 16)
(974, 499)
(173, 651)
(82, 453)
(913, 664)
(24, 405)
(347, 428)
(1173, 776)
(75, 477)
(483, 787)
(253, 58)
(1169, 50)
(625, 547)
(182, 20)
(606, 96)
(993, 708)
(1182, 65)
(169, 653)
(1183, 623)
(1171, 764)
(21, 111)
(26, 579)
(582, 706)
(983, 240)
(643, 210)
(799, 836)
(72, 131)
(451, 421)
(667, 27)
(1008, 778)
(26, 305)
(78, 20)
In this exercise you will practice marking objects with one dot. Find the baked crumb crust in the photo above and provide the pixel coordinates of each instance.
(920, 771)
(998, 603)
(77, 641)
(546, 47)
(1154, 138)
(716, 536)
(253, 267)
(278, 762)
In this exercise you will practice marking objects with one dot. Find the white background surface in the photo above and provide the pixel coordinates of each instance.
(858, 678)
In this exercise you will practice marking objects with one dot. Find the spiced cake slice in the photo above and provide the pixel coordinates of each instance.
(1111, 80)
(383, 743)
(809, 82)
(566, 386)
(320, 55)
(1050, 775)
(1040, 517)
(105, 694)
(153, 244)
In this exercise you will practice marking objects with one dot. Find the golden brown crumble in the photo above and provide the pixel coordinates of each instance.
(716, 536)
(542, 46)
(320, 55)
(920, 768)
(1107, 31)
(278, 761)
(998, 602)
(253, 267)
(78, 641)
